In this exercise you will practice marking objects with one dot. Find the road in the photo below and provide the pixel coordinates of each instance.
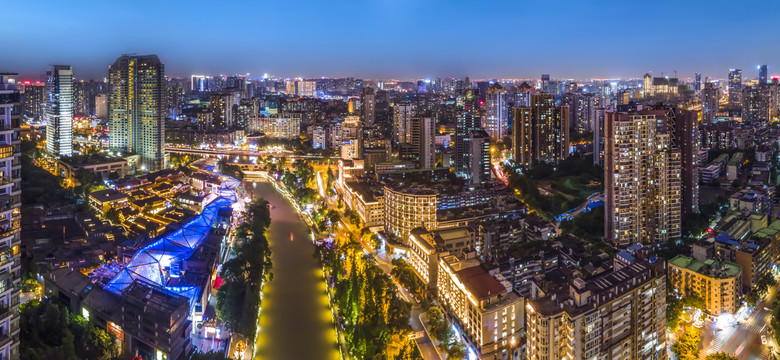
(295, 320)
(741, 338)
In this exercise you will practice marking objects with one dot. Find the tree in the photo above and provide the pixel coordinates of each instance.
(687, 346)
(112, 215)
(720, 356)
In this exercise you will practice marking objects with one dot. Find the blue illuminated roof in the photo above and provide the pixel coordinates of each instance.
(153, 262)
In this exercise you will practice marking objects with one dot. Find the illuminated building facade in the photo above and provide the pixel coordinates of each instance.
(10, 217)
(409, 207)
(34, 102)
(59, 111)
(402, 123)
(280, 126)
(222, 109)
(497, 119)
(710, 101)
(735, 87)
(468, 119)
(479, 162)
(718, 284)
(489, 316)
(426, 247)
(642, 180)
(540, 131)
(619, 315)
(136, 108)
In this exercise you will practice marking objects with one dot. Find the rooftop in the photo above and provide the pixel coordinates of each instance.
(107, 195)
(711, 268)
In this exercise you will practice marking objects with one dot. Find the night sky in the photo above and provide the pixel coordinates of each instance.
(396, 38)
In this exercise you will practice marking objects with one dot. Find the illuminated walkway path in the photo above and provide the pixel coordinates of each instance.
(295, 321)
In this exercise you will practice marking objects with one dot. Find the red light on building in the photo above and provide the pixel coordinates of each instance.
(709, 230)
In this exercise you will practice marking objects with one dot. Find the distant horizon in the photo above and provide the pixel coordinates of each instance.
(394, 39)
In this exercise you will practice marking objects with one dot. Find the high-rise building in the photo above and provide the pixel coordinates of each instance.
(582, 109)
(545, 85)
(402, 122)
(497, 112)
(541, 131)
(735, 87)
(618, 315)
(101, 106)
(468, 119)
(136, 108)
(710, 101)
(222, 109)
(697, 83)
(641, 180)
(762, 74)
(479, 165)
(647, 85)
(59, 111)
(368, 107)
(759, 102)
(34, 102)
(307, 88)
(10, 215)
(423, 138)
(200, 83)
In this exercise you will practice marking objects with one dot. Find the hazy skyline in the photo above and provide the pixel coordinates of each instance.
(401, 39)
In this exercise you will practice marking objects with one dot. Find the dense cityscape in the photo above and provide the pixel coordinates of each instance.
(147, 213)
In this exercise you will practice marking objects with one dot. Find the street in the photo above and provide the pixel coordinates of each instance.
(741, 337)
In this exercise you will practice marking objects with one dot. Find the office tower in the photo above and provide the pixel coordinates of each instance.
(34, 102)
(735, 87)
(479, 164)
(710, 100)
(59, 111)
(424, 140)
(101, 106)
(618, 315)
(762, 74)
(641, 180)
(497, 112)
(200, 83)
(10, 215)
(697, 82)
(647, 85)
(402, 122)
(540, 132)
(368, 107)
(545, 86)
(222, 109)
(136, 108)
(468, 119)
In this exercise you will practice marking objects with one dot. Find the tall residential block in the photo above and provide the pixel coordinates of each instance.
(710, 100)
(402, 123)
(541, 131)
(423, 136)
(479, 165)
(497, 117)
(59, 111)
(136, 108)
(468, 120)
(642, 180)
(10, 217)
(762, 74)
(34, 102)
(619, 315)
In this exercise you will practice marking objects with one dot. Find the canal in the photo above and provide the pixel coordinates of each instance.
(295, 320)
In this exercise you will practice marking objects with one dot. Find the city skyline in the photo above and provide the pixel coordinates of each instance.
(400, 40)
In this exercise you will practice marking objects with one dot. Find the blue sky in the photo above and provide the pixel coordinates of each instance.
(396, 38)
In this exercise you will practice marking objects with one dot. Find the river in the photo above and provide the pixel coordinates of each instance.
(295, 320)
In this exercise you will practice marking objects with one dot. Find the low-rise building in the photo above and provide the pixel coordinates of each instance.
(103, 200)
(426, 247)
(719, 284)
(490, 316)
